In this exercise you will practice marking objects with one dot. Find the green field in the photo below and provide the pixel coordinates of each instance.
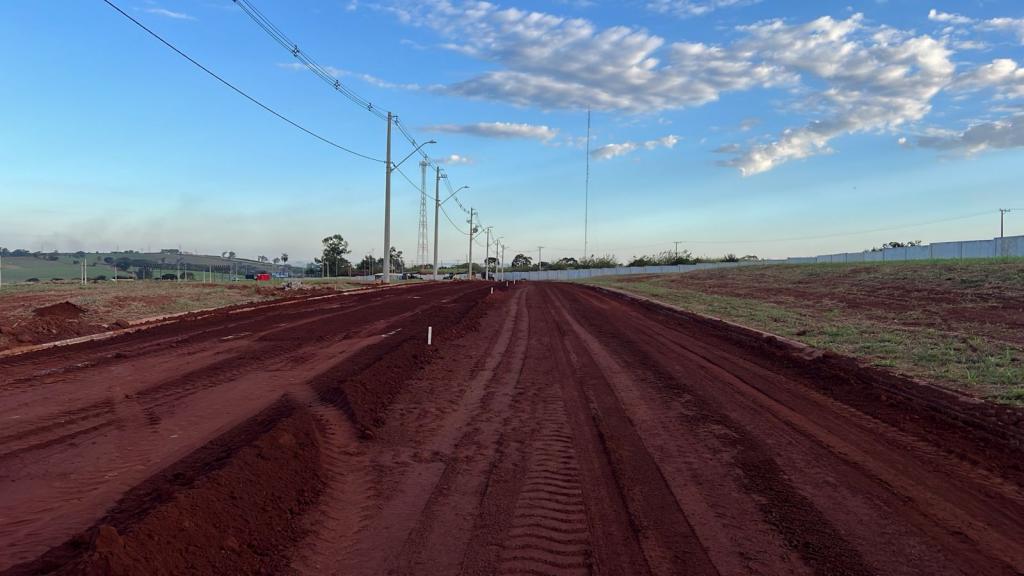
(21, 268)
(959, 324)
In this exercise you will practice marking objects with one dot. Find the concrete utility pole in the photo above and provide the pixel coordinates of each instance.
(1002, 215)
(469, 273)
(540, 259)
(502, 261)
(387, 210)
(1, 268)
(386, 272)
(677, 242)
(437, 213)
(487, 256)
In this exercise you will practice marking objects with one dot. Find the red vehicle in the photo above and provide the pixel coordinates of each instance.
(263, 276)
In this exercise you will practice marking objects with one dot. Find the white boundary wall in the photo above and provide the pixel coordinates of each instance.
(1011, 246)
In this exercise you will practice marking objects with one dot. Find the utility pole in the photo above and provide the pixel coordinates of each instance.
(540, 259)
(387, 210)
(677, 242)
(586, 197)
(1, 268)
(469, 274)
(437, 213)
(1002, 215)
(487, 256)
(503, 262)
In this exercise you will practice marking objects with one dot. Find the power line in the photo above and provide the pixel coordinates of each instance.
(239, 90)
(293, 48)
(278, 36)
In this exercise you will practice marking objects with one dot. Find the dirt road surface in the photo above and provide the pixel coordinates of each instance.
(551, 429)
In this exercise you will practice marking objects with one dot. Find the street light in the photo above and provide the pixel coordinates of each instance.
(437, 210)
(387, 201)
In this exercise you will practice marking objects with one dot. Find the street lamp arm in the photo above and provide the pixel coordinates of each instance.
(415, 150)
(454, 193)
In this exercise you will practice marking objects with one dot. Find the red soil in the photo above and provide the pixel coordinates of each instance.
(552, 429)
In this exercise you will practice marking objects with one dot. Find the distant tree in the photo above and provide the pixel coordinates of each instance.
(261, 258)
(123, 263)
(276, 261)
(606, 261)
(565, 263)
(522, 261)
(910, 244)
(333, 255)
(369, 265)
(80, 254)
(110, 259)
(284, 257)
(231, 254)
(397, 263)
(224, 254)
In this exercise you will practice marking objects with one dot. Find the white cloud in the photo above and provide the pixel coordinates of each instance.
(169, 14)
(504, 130)
(998, 134)
(875, 80)
(454, 159)
(688, 8)
(1003, 75)
(569, 63)
(949, 18)
(1013, 25)
(609, 151)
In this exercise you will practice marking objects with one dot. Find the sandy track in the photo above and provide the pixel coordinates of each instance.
(554, 429)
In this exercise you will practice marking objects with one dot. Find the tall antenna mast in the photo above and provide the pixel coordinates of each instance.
(586, 196)
(421, 239)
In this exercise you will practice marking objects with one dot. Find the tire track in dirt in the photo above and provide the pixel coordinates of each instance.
(861, 477)
(457, 461)
(549, 532)
(131, 430)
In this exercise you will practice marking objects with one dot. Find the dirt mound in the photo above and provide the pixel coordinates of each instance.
(64, 310)
(47, 324)
(232, 507)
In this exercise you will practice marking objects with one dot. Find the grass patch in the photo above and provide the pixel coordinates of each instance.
(892, 315)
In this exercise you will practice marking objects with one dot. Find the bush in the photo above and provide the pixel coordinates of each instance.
(61, 279)
(99, 278)
(32, 280)
(173, 277)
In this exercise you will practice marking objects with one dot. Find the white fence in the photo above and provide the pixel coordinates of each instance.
(1011, 246)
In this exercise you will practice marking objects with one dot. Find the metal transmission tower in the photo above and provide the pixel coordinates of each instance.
(421, 242)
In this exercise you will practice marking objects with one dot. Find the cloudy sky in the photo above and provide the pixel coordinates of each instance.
(766, 127)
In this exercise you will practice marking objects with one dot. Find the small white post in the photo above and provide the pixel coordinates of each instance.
(430, 334)
(492, 289)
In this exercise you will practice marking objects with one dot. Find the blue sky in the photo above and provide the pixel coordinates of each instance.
(773, 128)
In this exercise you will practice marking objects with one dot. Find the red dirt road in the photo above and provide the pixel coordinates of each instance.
(552, 429)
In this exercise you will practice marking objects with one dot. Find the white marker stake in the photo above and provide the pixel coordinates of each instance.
(430, 334)
(492, 289)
